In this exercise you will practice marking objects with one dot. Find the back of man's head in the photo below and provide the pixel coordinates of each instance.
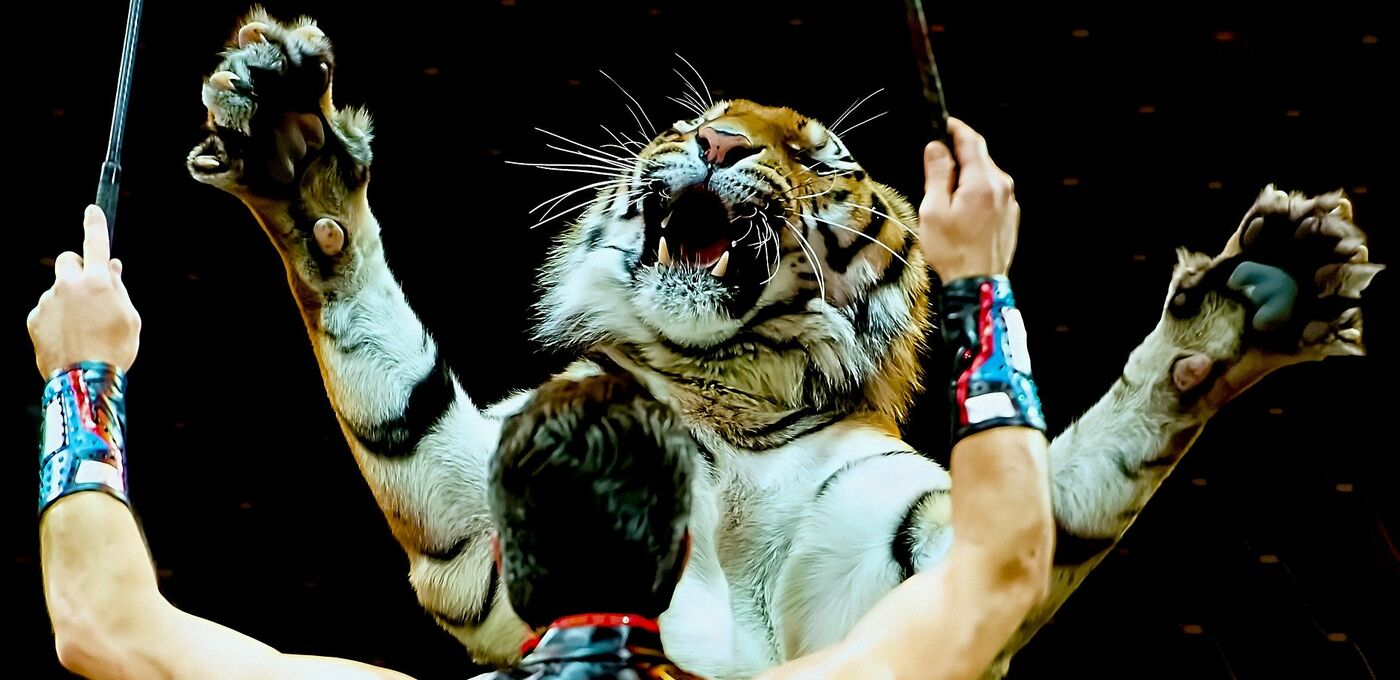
(590, 492)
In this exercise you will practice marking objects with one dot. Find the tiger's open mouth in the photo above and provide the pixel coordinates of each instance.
(736, 246)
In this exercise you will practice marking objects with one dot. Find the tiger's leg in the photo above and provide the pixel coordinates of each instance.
(1223, 329)
(875, 521)
(301, 166)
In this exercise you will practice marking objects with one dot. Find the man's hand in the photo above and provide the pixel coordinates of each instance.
(969, 215)
(87, 314)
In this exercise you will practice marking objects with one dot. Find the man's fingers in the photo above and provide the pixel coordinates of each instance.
(96, 248)
(34, 313)
(67, 265)
(940, 174)
(968, 144)
(116, 268)
(974, 163)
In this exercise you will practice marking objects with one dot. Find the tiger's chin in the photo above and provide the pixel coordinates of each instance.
(688, 305)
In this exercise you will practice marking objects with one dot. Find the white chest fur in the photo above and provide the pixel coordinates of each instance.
(724, 620)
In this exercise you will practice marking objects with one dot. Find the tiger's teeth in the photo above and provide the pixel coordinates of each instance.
(722, 266)
(665, 221)
(224, 80)
(207, 163)
(663, 256)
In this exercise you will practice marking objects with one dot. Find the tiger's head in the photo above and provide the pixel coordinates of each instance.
(747, 247)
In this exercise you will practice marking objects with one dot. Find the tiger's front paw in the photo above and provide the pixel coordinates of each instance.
(277, 141)
(1299, 266)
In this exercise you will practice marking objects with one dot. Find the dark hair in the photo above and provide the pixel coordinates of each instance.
(590, 492)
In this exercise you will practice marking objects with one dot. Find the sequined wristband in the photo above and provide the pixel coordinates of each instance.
(83, 444)
(991, 385)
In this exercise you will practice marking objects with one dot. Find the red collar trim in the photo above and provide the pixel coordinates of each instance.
(595, 620)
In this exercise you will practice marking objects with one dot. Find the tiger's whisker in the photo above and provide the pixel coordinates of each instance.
(601, 197)
(852, 128)
(601, 157)
(776, 260)
(687, 104)
(823, 192)
(634, 101)
(578, 144)
(699, 104)
(622, 144)
(566, 211)
(640, 145)
(690, 103)
(580, 171)
(812, 255)
(704, 87)
(891, 218)
(569, 193)
(697, 98)
(863, 235)
(852, 108)
(551, 166)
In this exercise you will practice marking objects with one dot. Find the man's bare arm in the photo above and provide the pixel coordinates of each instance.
(109, 618)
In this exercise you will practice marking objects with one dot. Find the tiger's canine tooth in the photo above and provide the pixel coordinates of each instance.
(722, 266)
(663, 256)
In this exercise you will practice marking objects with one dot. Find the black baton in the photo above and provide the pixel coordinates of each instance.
(109, 182)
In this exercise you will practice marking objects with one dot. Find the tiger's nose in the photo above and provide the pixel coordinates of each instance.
(723, 148)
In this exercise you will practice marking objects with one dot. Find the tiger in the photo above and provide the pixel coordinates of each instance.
(744, 267)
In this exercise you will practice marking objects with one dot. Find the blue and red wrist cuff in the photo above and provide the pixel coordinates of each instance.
(83, 440)
(991, 383)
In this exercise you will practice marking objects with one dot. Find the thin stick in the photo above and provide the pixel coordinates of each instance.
(937, 110)
(109, 181)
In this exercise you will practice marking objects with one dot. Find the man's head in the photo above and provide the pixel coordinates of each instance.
(590, 494)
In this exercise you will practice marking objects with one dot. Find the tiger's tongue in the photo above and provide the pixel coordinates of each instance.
(701, 254)
(698, 228)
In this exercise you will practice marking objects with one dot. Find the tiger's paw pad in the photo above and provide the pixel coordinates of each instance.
(1191, 371)
(330, 236)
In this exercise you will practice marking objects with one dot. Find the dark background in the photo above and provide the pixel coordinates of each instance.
(1127, 135)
